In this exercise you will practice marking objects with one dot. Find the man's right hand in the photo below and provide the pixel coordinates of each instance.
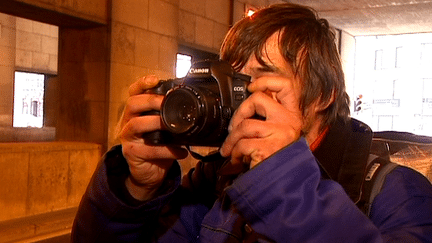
(148, 164)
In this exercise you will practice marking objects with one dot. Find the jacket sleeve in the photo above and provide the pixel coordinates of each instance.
(402, 211)
(284, 198)
(104, 217)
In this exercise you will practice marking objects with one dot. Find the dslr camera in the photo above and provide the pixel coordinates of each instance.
(196, 109)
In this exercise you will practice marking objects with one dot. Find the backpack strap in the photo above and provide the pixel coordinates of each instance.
(377, 170)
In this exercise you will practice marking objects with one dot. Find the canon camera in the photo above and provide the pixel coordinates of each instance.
(196, 110)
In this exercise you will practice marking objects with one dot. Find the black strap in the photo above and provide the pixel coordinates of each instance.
(377, 170)
(213, 156)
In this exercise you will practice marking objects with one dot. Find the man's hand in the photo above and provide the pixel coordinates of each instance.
(251, 141)
(148, 164)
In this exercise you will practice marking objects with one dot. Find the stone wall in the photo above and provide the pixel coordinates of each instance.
(36, 46)
(25, 45)
(7, 65)
(44, 177)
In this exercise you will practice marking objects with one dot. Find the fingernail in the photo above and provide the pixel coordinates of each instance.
(251, 87)
(222, 152)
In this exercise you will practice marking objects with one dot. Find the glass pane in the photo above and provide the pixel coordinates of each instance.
(28, 99)
(183, 65)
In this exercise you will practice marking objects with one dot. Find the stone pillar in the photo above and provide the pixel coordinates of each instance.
(83, 84)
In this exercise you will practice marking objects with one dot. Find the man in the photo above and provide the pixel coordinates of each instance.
(294, 176)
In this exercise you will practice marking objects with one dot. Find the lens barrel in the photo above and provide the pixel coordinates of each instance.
(191, 111)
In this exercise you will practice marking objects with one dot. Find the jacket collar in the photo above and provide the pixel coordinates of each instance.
(343, 155)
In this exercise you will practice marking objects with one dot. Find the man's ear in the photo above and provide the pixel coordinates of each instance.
(321, 105)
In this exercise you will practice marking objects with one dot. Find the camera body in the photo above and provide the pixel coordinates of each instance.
(196, 110)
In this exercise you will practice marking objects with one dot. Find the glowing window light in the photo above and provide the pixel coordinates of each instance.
(250, 12)
(183, 65)
(28, 100)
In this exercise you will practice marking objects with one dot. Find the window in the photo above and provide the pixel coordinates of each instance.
(400, 57)
(187, 55)
(393, 77)
(28, 99)
(183, 65)
(378, 59)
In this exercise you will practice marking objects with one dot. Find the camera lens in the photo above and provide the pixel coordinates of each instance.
(190, 112)
(181, 110)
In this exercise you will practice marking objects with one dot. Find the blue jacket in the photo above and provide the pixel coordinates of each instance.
(293, 196)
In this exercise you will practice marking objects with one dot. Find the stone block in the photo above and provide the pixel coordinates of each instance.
(5, 119)
(40, 61)
(52, 31)
(220, 30)
(187, 25)
(123, 44)
(174, 2)
(218, 11)
(28, 41)
(121, 78)
(258, 3)
(97, 9)
(47, 181)
(163, 18)
(14, 182)
(147, 49)
(49, 45)
(7, 36)
(6, 87)
(5, 112)
(7, 20)
(239, 11)
(7, 56)
(69, 4)
(97, 49)
(45, 29)
(115, 113)
(97, 117)
(53, 64)
(167, 54)
(162, 74)
(95, 76)
(194, 6)
(89, 45)
(6, 77)
(72, 45)
(82, 166)
(23, 58)
(204, 32)
(131, 12)
(24, 24)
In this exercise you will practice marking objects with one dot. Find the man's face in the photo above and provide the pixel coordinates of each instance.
(275, 72)
(276, 78)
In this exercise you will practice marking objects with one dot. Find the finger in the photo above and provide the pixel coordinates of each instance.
(244, 151)
(138, 104)
(279, 88)
(247, 153)
(249, 128)
(136, 127)
(141, 152)
(264, 84)
(142, 84)
(258, 103)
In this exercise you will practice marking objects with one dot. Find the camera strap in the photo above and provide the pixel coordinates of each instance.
(211, 157)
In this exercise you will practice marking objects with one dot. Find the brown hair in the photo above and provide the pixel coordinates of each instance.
(306, 42)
